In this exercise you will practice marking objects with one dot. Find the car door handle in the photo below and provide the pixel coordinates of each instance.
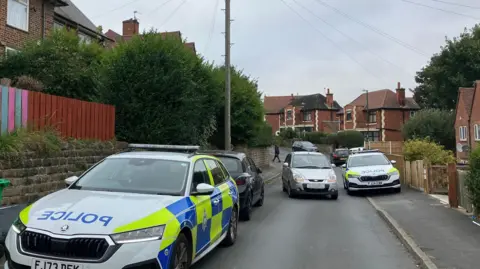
(216, 201)
(230, 192)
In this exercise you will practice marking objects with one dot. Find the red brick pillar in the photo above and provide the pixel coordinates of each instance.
(452, 185)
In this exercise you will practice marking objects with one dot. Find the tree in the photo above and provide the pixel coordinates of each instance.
(60, 63)
(457, 65)
(163, 93)
(247, 123)
(348, 139)
(435, 124)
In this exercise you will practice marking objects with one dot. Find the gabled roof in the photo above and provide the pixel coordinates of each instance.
(467, 95)
(383, 99)
(113, 35)
(72, 13)
(313, 102)
(273, 104)
(176, 34)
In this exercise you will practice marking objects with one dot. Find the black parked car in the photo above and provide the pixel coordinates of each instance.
(248, 178)
(340, 156)
(304, 146)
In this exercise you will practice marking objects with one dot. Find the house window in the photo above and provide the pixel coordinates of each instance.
(58, 26)
(412, 113)
(371, 136)
(17, 14)
(476, 130)
(307, 116)
(84, 38)
(372, 117)
(463, 133)
(289, 114)
(282, 117)
(349, 115)
(10, 52)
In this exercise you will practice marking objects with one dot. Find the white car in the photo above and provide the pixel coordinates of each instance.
(369, 170)
(145, 209)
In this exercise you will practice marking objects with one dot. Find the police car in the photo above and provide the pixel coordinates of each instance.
(368, 170)
(153, 208)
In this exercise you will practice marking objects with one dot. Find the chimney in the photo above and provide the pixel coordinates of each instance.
(400, 95)
(329, 98)
(130, 27)
(292, 97)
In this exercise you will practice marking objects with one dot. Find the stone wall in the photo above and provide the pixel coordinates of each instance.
(33, 175)
(261, 156)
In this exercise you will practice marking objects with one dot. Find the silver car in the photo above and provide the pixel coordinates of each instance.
(309, 173)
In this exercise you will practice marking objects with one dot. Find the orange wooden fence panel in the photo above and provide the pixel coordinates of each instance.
(71, 117)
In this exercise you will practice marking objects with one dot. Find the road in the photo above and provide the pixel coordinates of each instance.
(311, 233)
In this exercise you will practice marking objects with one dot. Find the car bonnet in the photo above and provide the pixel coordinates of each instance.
(71, 212)
(374, 170)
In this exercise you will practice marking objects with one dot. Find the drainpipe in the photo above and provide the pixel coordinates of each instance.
(44, 18)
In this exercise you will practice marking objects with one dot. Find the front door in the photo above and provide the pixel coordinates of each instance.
(221, 201)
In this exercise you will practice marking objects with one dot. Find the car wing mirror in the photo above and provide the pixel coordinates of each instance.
(333, 165)
(259, 170)
(69, 181)
(344, 166)
(393, 161)
(204, 189)
(285, 164)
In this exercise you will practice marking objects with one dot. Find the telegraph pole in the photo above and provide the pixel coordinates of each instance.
(228, 138)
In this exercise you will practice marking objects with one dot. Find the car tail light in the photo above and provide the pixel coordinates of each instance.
(241, 181)
(334, 155)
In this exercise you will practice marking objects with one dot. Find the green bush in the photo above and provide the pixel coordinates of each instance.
(434, 124)
(288, 133)
(473, 179)
(262, 136)
(347, 139)
(316, 137)
(426, 149)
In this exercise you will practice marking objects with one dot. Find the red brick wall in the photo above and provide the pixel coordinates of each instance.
(394, 120)
(273, 120)
(461, 119)
(475, 117)
(15, 38)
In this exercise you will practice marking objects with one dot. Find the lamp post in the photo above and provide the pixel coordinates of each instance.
(368, 118)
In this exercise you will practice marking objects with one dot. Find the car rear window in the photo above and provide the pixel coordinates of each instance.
(342, 152)
(233, 165)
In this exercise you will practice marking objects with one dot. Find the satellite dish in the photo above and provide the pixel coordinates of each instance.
(277, 133)
(459, 147)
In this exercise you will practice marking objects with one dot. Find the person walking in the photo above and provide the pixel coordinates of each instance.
(277, 152)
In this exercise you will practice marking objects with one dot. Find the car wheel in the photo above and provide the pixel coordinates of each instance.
(262, 198)
(284, 189)
(290, 192)
(349, 192)
(181, 256)
(232, 229)
(397, 190)
(345, 184)
(334, 196)
(246, 212)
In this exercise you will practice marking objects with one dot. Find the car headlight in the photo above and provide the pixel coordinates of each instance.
(298, 178)
(332, 178)
(353, 176)
(18, 226)
(393, 173)
(148, 234)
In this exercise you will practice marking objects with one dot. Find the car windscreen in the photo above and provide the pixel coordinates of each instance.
(136, 175)
(313, 161)
(233, 165)
(342, 152)
(368, 160)
(307, 144)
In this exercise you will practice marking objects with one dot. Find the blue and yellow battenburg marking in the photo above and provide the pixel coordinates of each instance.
(206, 220)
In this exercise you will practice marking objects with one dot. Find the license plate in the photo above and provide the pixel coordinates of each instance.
(374, 183)
(343, 159)
(46, 264)
(316, 186)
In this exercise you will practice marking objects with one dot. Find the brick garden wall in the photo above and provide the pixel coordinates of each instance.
(261, 156)
(33, 176)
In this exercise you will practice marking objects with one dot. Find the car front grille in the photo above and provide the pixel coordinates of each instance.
(74, 248)
(316, 180)
(374, 178)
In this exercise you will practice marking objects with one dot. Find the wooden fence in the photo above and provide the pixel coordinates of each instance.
(71, 117)
(462, 194)
(400, 164)
(390, 147)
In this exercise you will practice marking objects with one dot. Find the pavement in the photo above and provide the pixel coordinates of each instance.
(308, 233)
(447, 237)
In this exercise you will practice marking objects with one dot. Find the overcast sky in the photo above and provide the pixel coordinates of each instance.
(290, 55)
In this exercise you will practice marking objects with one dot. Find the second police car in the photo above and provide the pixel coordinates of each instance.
(368, 170)
(145, 209)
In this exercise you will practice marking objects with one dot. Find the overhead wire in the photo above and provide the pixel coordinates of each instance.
(115, 9)
(158, 7)
(173, 13)
(456, 4)
(212, 28)
(331, 40)
(441, 9)
(374, 29)
(351, 38)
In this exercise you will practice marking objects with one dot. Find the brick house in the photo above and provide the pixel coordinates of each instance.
(310, 113)
(28, 20)
(131, 27)
(384, 117)
(467, 121)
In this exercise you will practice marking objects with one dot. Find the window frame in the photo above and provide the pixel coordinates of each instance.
(462, 133)
(372, 116)
(412, 113)
(348, 114)
(27, 5)
(476, 130)
(84, 38)
(307, 116)
(289, 115)
(211, 171)
(10, 49)
(193, 174)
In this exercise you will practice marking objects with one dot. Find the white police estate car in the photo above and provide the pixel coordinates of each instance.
(132, 210)
(368, 170)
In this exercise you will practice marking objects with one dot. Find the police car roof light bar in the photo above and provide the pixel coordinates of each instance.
(154, 147)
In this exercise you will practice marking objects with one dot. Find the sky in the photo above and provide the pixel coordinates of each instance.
(344, 45)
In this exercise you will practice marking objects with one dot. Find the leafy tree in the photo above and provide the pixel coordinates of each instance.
(348, 139)
(428, 150)
(60, 63)
(473, 179)
(456, 65)
(247, 123)
(435, 124)
(163, 93)
(316, 137)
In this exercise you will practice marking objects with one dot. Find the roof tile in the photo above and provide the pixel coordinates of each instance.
(383, 99)
(273, 104)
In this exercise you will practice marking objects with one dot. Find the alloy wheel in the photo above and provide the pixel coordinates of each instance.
(181, 256)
